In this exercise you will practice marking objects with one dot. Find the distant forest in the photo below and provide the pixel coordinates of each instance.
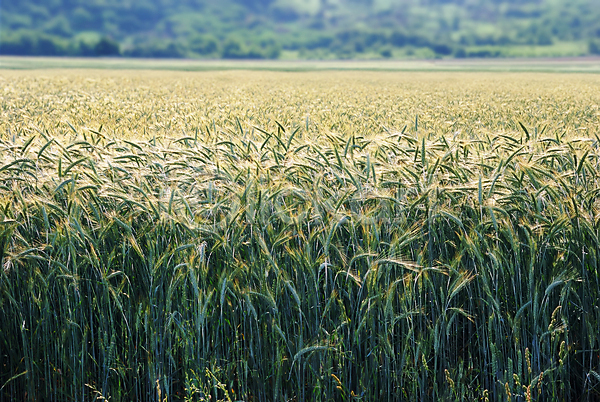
(300, 29)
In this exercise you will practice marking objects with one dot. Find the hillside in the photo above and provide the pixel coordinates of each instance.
(300, 28)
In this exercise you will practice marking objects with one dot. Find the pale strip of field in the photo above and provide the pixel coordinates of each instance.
(575, 64)
(166, 104)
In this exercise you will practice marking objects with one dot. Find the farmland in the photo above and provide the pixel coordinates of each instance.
(251, 235)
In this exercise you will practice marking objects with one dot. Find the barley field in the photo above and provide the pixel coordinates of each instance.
(299, 236)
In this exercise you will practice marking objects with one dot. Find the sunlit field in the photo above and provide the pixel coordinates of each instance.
(292, 236)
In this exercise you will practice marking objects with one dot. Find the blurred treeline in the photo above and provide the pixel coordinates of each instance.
(300, 28)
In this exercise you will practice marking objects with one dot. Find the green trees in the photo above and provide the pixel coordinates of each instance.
(107, 47)
(32, 43)
(594, 46)
(311, 29)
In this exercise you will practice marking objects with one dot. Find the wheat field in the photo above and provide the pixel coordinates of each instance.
(296, 236)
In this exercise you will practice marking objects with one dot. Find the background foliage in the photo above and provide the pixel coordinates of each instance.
(300, 29)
